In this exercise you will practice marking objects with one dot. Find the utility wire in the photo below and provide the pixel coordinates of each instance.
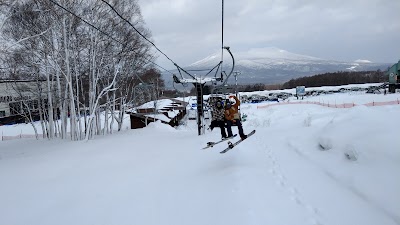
(69, 11)
(217, 66)
(108, 35)
(127, 21)
(148, 60)
(113, 9)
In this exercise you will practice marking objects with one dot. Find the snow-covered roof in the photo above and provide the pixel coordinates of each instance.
(159, 116)
(163, 106)
(159, 104)
(172, 114)
(162, 103)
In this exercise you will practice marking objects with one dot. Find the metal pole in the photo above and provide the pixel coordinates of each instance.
(222, 35)
(236, 74)
(199, 89)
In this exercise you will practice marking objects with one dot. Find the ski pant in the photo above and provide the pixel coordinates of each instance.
(229, 124)
(221, 125)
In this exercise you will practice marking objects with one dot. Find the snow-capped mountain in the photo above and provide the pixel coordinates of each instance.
(273, 65)
(259, 58)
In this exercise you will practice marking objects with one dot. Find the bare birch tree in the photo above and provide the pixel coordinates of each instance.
(88, 74)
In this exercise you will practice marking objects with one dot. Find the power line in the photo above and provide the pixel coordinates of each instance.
(148, 60)
(127, 21)
(69, 11)
(108, 35)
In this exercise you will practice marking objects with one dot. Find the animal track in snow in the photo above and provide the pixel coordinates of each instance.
(293, 192)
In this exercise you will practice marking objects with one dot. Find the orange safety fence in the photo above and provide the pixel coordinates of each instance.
(383, 103)
(332, 105)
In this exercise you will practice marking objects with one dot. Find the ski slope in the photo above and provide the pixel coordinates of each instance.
(160, 175)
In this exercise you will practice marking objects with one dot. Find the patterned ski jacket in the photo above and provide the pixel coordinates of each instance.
(218, 114)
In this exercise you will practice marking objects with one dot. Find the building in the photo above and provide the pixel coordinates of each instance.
(168, 111)
(17, 98)
(394, 77)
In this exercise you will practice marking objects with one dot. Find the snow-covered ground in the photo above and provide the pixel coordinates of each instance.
(306, 164)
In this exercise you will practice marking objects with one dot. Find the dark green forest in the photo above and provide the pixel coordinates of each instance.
(337, 78)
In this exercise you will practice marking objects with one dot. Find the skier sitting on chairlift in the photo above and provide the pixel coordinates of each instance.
(232, 116)
(218, 117)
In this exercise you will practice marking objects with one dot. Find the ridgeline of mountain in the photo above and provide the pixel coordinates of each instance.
(272, 65)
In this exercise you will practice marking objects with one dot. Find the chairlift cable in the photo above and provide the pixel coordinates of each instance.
(80, 18)
(127, 21)
(102, 32)
(218, 65)
(143, 36)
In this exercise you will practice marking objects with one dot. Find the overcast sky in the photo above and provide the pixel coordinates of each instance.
(345, 30)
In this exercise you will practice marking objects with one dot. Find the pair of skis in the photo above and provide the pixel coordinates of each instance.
(211, 144)
(230, 144)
